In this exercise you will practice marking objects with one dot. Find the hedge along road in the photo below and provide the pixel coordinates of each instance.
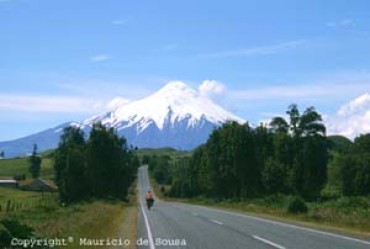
(174, 225)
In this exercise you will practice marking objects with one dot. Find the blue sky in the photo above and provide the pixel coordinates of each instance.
(65, 60)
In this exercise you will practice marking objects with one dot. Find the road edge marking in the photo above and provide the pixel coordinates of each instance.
(288, 225)
(150, 235)
(217, 222)
(268, 242)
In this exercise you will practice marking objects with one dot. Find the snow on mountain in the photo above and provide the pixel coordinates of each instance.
(174, 103)
(175, 116)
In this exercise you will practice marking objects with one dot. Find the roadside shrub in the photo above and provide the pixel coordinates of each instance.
(277, 200)
(12, 228)
(330, 193)
(349, 204)
(297, 205)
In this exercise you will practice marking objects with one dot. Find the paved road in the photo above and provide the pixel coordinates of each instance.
(208, 228)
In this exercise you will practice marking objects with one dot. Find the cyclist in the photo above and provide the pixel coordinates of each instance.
(149, 199)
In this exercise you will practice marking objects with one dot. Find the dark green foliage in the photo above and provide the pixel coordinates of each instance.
(334, 186)
(297, 205)
(13, 229)
(339, 143)
(355, 167)
(160, 169)
(273, 177)
(102, 167)
(307, 163)
(70, 166)
(111, 165)
(239, 162)
(352, 203)
(311, 168)
(145, 159)
(35, 163)
(349, 169)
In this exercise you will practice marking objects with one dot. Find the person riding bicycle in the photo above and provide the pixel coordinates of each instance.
(149, 199)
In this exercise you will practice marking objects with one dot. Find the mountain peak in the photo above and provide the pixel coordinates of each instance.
(174, 103)
(175, 116)
(176, 89)
(176, 85)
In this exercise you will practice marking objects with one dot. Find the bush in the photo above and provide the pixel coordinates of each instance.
(350, 204)
(297, 205)
(12, 228)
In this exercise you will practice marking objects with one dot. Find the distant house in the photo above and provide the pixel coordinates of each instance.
(9, 183)
(38, 185)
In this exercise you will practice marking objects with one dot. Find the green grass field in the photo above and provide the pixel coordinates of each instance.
(95, 220)
(19, 166)
(98, 219)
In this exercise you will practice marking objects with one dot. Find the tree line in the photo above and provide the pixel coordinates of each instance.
(104, 166)
(349, 169)
(289, 156)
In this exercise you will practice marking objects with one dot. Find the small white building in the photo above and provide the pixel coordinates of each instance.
(9, 183)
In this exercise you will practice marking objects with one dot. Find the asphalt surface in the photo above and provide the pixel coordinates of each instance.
(172, 225)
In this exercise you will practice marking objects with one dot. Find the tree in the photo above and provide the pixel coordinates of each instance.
(294, 119)
(279, 125)
(70, 166)
(273, 177)
(102, 167)
(160, 170)
(355, 167)
(307, 165)
(334, 186)
(145, 159)
(111, 165)
(310, 123)
(34, 163)
(239, 162)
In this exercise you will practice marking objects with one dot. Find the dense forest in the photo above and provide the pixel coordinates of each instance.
(101, 167)
(291, 157)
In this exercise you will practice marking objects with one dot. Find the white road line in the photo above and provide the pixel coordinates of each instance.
(268, 242)
(150, 235)
(290, 226)
(217, 222)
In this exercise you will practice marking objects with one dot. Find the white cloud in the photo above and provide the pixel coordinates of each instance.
(29, 103)
(211, 88)
(49, 104)
(352, 118)
(358, 105)
(265, 50)
(116, 102)
(100, 58)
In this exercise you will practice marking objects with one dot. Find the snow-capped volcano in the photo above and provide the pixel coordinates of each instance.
(174, 103)
(175, 116)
